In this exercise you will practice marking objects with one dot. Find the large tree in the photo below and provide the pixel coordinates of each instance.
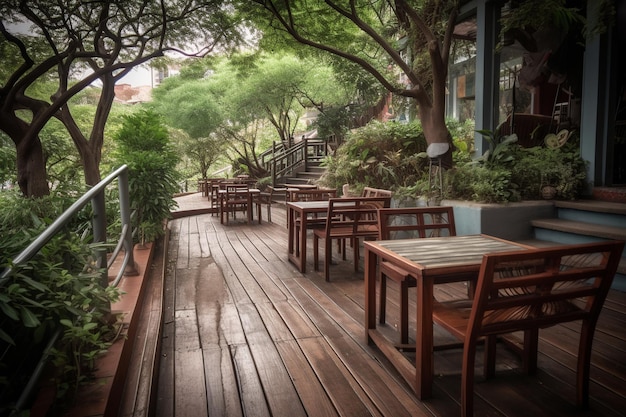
(77, 43)
(403, 44)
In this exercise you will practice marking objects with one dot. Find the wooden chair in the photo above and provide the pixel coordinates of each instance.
(408, 223)
(233, 200)
(529, 290)
(213, 188)
(266, 198)
(347, 218)
(319, 194)
(375, 192)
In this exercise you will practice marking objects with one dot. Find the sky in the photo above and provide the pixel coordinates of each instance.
(138, 76)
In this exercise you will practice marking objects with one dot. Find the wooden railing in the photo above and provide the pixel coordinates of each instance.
(281, 162)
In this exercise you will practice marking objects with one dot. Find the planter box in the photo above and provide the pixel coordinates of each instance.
(509, 221)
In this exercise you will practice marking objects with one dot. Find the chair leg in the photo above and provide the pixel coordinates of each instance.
(584, 358)
(404, 311)
(490, 356)
(355, 252)
(382, 314)
(328, 257)
(531, 345)
(316, 256)
(467, 379)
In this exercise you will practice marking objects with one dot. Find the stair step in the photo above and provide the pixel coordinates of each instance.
(581, 228)
(593, 205)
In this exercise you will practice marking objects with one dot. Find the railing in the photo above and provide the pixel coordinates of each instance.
(96, 196)
(281, 162)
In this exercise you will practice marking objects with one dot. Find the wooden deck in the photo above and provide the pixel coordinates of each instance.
(246, 334)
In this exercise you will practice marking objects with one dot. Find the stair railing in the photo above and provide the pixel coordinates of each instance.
(281, 162)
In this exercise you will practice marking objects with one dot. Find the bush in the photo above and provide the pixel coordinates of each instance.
(562, 168)
(143, 144)
(379, 155)
(391, 156)
(58, 289)
(508, 172)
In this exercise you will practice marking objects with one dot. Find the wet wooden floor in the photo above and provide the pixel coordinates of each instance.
(246, 334)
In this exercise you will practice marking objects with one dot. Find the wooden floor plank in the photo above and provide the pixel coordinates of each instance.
(254, 336)
(280, 393)
(312, 394)
(250, 387)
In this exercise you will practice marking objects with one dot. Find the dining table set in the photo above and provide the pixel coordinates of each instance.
(426, 262)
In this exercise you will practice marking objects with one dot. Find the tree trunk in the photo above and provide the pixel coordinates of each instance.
(32, 177)
(31, 169)
(436, 131)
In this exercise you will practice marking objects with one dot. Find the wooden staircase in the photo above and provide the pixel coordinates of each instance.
(583, 221)
(310, 176)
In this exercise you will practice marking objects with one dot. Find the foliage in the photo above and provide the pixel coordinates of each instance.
(242, 104)
(499, 152)
(479, 183)
(143, 144)
(404, 45)
(58, 289)
(391, 156)
(192, 108)
(562, 168)
(76, 44)
(380, 155)
(508, 172)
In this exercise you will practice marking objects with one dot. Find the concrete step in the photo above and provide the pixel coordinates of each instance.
(593, 206)
(581, 228)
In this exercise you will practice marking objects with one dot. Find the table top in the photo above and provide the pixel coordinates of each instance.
(243, 190)
(308, 204)
(441, 252)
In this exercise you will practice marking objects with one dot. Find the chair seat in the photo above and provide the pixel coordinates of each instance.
(348, 232)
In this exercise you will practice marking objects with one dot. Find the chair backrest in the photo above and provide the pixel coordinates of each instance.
(416, 222)
(375, 192)
(320, 194)
(360, 214)
(542, 287)
(233, 192)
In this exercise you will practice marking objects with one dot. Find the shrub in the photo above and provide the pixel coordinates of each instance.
(57, 289)
(143, 144)
(563, 168)
(380, 155)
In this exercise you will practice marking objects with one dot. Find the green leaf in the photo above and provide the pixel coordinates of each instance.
(29, 318)
(9, 311)
(4, 336)
(66, 323)
(37, 285)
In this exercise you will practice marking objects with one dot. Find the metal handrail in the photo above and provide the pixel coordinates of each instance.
(99, 221)
(96, 196)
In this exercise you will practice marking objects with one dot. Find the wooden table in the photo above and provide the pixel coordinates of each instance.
(296, 242)
(249, 192)
(431, 261)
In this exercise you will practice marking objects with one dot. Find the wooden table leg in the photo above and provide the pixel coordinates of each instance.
(424, 339)
(370, 291)
(302, 246)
